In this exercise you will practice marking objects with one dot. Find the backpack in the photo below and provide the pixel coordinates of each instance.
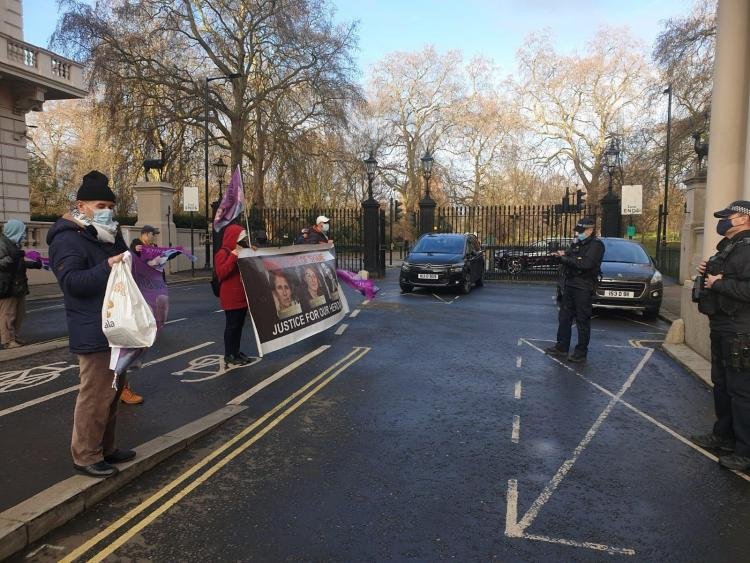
(215, 283)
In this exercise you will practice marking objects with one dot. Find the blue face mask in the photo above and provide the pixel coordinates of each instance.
(723, 226)
(582, 236)
(103, 216)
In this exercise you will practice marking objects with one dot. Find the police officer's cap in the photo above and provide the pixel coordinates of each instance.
(583, 224)
(739, 206)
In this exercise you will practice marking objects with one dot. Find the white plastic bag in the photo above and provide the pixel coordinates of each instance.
(127, 320)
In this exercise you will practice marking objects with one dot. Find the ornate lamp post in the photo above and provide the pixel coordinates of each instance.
(205, 157)
(371, 167)
(612, 160)
(220, 167)
(427, 161)
(371, 222)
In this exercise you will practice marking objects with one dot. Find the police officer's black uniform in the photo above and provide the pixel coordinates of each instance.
(727, 304)
(581, 264)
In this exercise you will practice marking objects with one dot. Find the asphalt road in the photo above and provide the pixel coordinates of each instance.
(431, 428)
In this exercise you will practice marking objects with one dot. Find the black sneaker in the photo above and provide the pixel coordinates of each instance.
(555, 351)
(713, 442)
(232, 360)
(577, 358)
(98, 469)
(244, 358)
(120, 456)
(736, 462)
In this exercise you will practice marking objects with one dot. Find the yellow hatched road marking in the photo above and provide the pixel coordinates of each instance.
(336, 369)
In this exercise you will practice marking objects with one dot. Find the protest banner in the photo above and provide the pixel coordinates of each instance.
(292, 293)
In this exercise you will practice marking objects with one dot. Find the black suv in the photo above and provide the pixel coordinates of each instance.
(443, 260)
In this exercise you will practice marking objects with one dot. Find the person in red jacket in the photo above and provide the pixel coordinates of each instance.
(231, 293)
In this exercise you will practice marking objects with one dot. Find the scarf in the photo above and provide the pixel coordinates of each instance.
(105, 233)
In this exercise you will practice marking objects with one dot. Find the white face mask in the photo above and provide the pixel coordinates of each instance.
(324, 227)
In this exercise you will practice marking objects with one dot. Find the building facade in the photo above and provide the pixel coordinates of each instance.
(29, 76)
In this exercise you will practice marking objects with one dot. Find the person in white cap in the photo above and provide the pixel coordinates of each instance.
(319, 232)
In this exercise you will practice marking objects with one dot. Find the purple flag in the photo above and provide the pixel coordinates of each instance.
(232, 204)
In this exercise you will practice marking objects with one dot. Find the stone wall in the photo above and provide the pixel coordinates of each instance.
(14, 170)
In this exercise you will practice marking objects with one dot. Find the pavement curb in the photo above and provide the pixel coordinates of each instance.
(31, 519)
(696, 364)
(30, 349)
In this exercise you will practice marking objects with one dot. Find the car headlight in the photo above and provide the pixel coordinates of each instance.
(656, 278)
(405, 266)
(457, 267)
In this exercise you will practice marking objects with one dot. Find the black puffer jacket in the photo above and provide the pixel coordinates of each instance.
(79, 261)
(13, 280)
(732, 292)
(582, 262)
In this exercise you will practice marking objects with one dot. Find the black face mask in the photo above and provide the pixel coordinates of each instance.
(243, 243)
(723, 226)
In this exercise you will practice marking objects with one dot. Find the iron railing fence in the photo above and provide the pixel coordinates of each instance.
(283, 226)
(669, 260)
(518, 240)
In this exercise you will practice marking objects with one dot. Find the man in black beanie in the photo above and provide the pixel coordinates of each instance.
(83, 246)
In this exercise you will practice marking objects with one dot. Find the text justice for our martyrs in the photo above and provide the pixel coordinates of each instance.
(303, 319)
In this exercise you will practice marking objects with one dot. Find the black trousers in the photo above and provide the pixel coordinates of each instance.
(575, 304)
(731, 395)
(233, 331)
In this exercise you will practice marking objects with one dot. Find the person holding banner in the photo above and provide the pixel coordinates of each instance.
(231, 292)
(83, 246)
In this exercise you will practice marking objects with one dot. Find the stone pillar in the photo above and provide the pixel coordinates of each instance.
(611, 222)
(691, 247)
(370, 219)
(154, 204)
(729, 113)
(426, 215)
(14, 175)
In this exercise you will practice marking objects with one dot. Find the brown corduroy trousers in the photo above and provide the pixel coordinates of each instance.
(96, 410)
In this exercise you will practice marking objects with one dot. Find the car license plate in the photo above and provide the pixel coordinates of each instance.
(427, 276)
(615, 293)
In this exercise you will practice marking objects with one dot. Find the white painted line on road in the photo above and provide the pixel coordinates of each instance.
(517, 392)
(340, 330)
(180, 353)
(589, 545)
(515, 433)
(520, 341)
(641, 323)
(38, 400)
(175, 321)
(239, 399)
(567, 465)
(60, 306)
(519, 361)
(439, 298)
(67, 390)
(365, 302)
(219, 311)
(354, 313)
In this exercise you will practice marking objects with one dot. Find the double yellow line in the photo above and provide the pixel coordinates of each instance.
(296, 399)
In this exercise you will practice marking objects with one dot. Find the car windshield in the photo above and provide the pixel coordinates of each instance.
(624, 251)
(440, 245)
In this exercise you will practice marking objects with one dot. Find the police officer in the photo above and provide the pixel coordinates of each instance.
(726, 301)
(581, 264)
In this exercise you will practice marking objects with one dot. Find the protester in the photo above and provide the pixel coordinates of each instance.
(14, 285)
(231, 292)
(283, 295)
(83, 246)
(725, 299)
(302, 237)
(581, 263)
(313, 293)
(147, 238)
(319, 232)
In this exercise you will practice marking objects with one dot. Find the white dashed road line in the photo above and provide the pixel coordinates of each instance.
(340, 330)
(516, 432)
(175, 321)
(517, 392)
(354, 313)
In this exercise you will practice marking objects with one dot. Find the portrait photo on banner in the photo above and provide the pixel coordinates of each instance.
(292, 293)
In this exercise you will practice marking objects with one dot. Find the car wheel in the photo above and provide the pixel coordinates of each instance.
(516, 265)
(651, 314)
(406, 288)
(466, 285)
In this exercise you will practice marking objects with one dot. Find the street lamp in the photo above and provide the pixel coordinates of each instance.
(371, 166)
(665, 212)
(221, 169)
(612, 160)
(427, 161)
(205, 157)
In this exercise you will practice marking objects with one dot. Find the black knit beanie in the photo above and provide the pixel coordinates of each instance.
(94, 188)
